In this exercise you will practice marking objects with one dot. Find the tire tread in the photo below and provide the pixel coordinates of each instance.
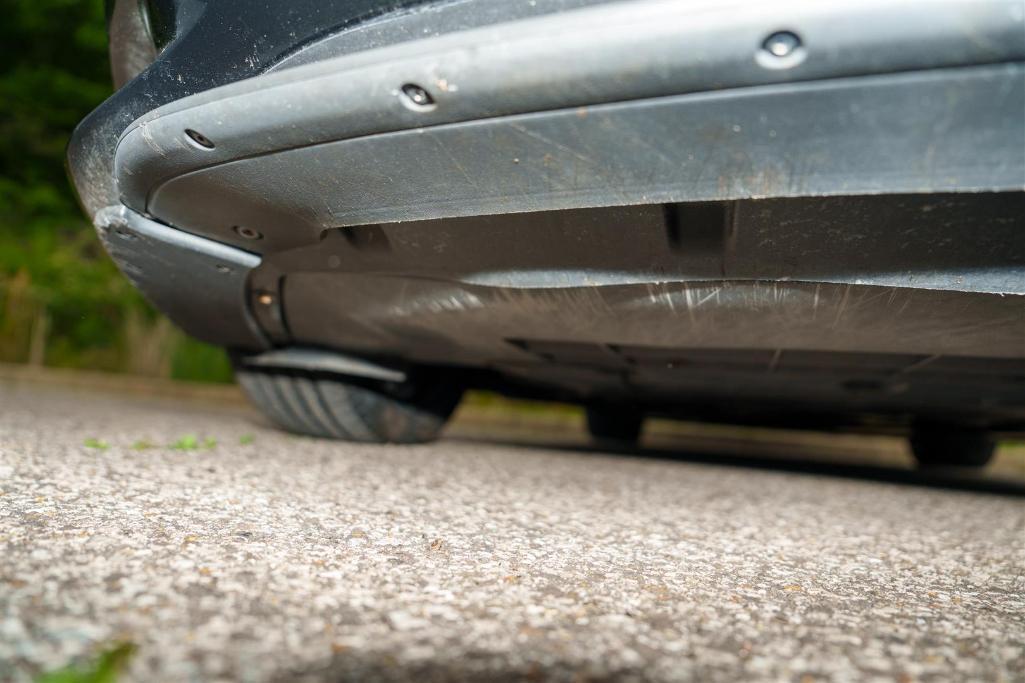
(329, 406)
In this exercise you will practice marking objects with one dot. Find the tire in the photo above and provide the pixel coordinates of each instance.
(947, 447)
(334, 407)
(614, 424)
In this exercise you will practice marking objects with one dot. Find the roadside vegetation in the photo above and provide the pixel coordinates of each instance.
(62, 301)
(106, 668)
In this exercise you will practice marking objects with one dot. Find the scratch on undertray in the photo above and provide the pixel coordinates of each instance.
(455, 161)
(713, 295)
(843, 305)
(553, 143)
(669, 297)
(690, 303)
(907, 302)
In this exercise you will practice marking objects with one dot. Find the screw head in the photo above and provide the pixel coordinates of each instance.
(248, 233)
(417, 97)
(198, 139)
(781, 43)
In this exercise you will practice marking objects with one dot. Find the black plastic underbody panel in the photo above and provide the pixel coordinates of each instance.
(847, 302)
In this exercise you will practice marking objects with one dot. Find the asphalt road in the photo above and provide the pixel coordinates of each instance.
(286, 558)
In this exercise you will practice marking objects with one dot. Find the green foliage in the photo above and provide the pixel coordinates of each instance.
(105, 669)
(54, 56)
(193, 360)
(98, 444)
(62, 301)
(189, 442)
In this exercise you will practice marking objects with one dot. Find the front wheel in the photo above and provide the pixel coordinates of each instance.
(337, 407)
(935, 446)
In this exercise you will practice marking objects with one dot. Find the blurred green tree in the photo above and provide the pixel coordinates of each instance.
(62, 301)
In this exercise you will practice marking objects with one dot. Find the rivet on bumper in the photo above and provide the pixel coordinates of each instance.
(416, 97)
(781, 43)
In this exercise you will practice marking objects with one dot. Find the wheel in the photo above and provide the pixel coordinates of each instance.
(615, 424)
(951, 447)
(338, 407)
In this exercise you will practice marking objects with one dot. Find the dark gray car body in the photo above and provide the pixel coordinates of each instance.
(796, 213)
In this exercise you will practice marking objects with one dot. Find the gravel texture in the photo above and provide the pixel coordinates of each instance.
(295, 559)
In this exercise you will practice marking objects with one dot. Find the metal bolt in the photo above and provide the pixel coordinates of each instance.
(781, 43)
(199, 139)
(248, 233)
(417, 95)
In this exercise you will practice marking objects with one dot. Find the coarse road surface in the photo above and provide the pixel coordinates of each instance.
(249, 554)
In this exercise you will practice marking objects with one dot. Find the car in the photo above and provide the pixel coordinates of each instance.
(802, 214)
